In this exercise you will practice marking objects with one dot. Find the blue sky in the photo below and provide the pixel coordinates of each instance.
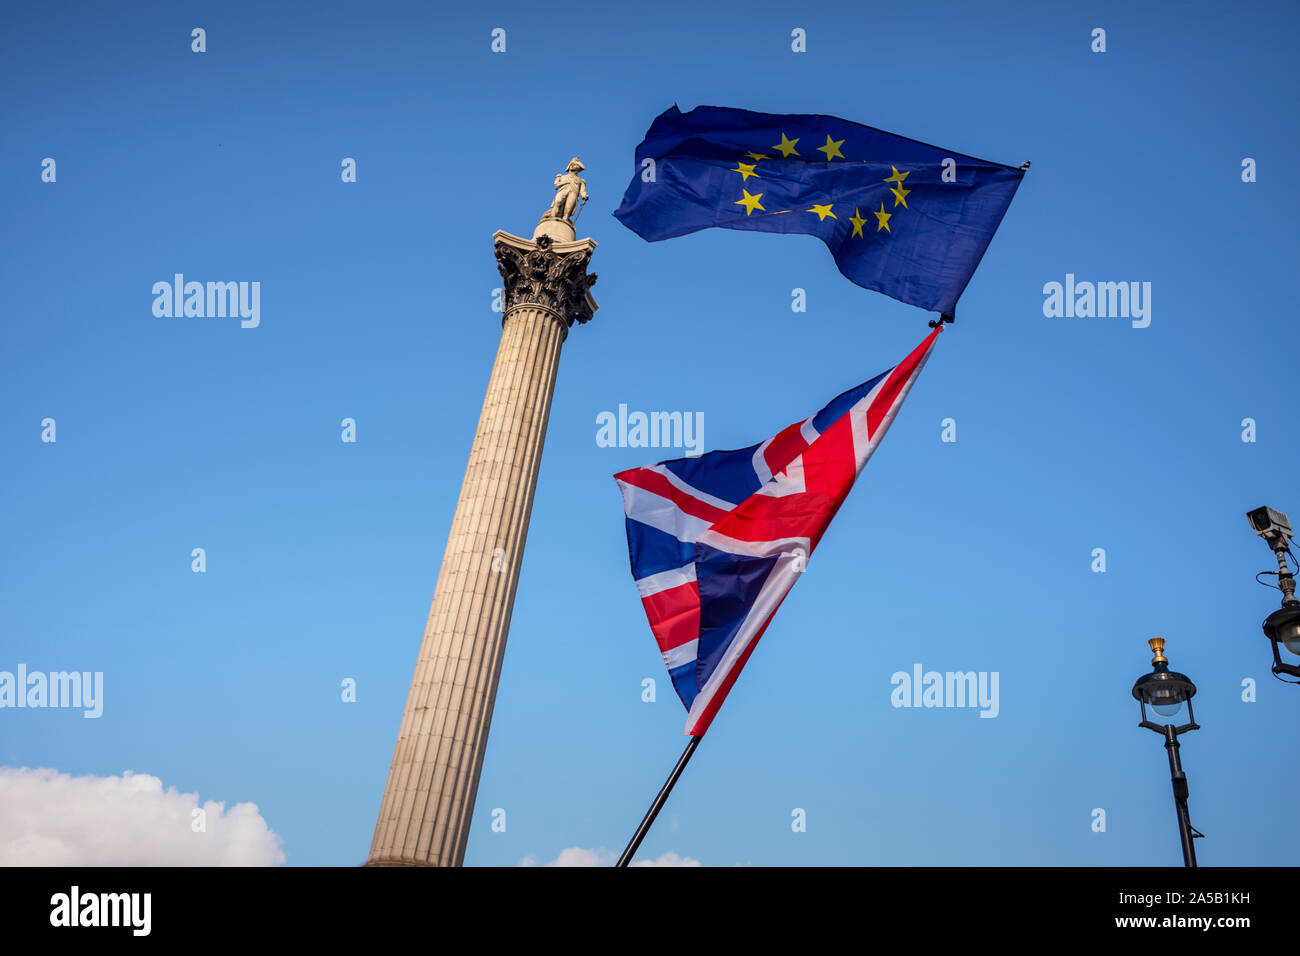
(1073, 434)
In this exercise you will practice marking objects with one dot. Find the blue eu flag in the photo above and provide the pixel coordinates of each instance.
(903, 218)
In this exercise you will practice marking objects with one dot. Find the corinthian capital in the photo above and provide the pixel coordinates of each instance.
(549, 274)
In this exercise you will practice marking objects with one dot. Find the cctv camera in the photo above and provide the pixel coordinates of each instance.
(1273, 526)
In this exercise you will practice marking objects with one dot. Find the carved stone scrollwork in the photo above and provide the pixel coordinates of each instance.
(543, 277)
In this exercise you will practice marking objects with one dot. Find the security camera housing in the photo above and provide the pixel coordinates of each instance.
(1273, 526)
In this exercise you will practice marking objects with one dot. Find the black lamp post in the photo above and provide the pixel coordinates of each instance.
(1282, 627)
(1170, 696)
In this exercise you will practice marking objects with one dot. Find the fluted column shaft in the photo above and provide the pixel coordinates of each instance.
(428, 802)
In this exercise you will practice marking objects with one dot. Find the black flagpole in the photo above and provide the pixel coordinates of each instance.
(660, 800)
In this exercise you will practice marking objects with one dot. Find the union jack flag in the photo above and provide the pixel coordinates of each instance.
(717, 541)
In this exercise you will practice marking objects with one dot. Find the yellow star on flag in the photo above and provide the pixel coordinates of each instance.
(900, 196)
(786, 146)
(898, 177)
(757, 156)
(747, 169)
(822, 212)
(858, 223)
(832, 148)
(751, 202)
(882, 219)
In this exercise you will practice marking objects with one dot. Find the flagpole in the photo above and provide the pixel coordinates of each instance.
(660, 800)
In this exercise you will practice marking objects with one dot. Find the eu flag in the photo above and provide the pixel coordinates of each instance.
(900, 217)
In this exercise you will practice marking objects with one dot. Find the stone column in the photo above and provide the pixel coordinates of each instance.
(425, 815)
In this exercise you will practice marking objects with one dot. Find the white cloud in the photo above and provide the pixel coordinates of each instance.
(578, 856)
(49, 818)
(668, 859)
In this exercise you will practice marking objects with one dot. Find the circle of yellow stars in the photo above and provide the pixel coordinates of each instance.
(789, 147)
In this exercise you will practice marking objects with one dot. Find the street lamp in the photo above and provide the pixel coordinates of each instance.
(1169, 694)
(1282, 627)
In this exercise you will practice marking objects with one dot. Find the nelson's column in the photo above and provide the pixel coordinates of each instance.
(429, 799)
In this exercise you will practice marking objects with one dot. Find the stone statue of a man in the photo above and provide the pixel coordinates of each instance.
(569, 188)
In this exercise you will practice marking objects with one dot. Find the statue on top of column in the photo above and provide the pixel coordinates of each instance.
(569, 188)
